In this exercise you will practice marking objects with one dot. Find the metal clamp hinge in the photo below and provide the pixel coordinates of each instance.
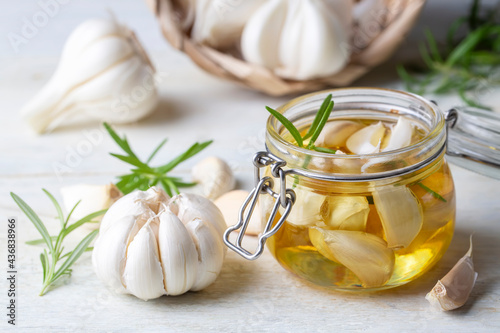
(285, 198)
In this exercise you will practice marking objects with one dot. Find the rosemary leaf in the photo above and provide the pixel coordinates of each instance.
(288, 125)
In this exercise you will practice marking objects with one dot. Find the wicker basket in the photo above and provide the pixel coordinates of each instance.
(399, 16)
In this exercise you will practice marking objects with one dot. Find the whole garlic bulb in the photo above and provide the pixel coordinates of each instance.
(150, 245)
(297, 39)
(103, 73)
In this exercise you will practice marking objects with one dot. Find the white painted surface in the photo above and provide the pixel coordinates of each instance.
(248, 296)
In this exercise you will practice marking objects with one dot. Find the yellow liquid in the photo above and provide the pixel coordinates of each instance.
(293, 249)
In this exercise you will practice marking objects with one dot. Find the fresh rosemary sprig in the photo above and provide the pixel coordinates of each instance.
(314, 131)
(143, 176)
(51, 256)
(469, 66)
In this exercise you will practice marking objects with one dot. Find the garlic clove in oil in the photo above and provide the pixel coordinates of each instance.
(366, 255)
(309, 208)
(400, 213)
(181, 253)
(336, 133)
(453, 290)
(347, 212)
(210, 252)
(367, 140)
(103, 73)
(92, 199)
(215, 177)
(143, 275)
(400, 135)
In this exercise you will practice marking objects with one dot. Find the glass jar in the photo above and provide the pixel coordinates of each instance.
(359, 222)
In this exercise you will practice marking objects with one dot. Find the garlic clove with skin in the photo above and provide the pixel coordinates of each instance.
(92, 199)
(175, 254)
(453, 290)
(108, 257)
(210, 253)
(401, 215)
(367, 140)
(366, 255)
(102, 69)
(215, 176)
(143, 275)
(189, 206)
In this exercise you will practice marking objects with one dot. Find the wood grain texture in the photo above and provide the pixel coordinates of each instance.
(247, 296)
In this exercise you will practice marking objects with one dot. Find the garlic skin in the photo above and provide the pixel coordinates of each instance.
(92, 199)
(230, 204)
(400, 213)
(215, 177)
(453, 290)
(366, 255)
(103, 74)
(298, 40)
(219, 23)
(151, 245)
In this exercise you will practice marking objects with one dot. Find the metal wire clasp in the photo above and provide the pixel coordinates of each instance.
(285, 198)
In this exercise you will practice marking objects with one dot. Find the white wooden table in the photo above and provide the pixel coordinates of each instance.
(247, 296)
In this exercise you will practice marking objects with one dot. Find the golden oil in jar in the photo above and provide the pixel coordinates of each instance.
(347, 235)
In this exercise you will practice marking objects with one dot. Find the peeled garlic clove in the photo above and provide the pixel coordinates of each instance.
(308, 210)
(366, 255)
(188, 206)
(312, 42)
(215, 176)
(347, 212)
(367, 140)
(143, 276)
(219, 24)
(335, 133)
(230, 204)
(401, 135)
(108, 256)
(210, 252)
(102, 69)
(177, 250)
(400, 213)
(453, 290)
(92, 198)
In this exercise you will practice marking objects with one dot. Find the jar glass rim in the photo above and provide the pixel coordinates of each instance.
(434, 131)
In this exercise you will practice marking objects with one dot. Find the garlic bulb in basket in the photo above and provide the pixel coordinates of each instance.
(297, 39)
(103, 73)
(150, 245)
